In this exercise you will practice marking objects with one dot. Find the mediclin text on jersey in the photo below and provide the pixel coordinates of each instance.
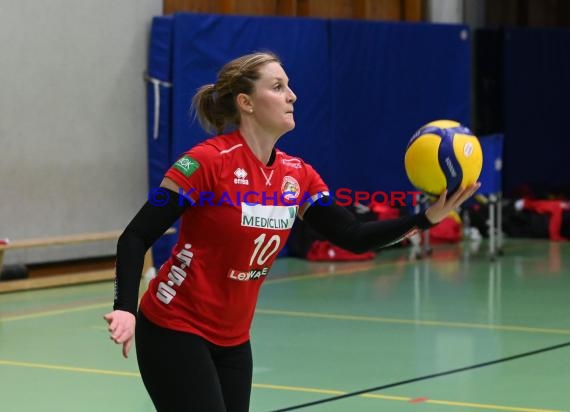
(342, 197)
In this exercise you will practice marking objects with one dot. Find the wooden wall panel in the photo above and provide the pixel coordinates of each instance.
(226, 6)
(286, 7)
(246, 7)
(528, 13)
(195, 6)
(548, 13)
(339, 9)
(499, 13)
(395, 10)
(563, 12)
(538, 13)
(303, 8)
(359, 9)
(252, 7)
(384, 10)
(413, 10)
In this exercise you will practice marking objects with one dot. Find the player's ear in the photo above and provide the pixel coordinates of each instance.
(244, 103)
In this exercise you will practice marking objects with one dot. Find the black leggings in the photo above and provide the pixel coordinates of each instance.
(184, 372)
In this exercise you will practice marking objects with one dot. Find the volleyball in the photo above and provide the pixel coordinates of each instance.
(441, 155)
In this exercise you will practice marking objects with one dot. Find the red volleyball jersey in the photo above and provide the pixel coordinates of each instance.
(242, 214)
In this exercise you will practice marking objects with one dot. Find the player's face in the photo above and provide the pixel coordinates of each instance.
(273, 100)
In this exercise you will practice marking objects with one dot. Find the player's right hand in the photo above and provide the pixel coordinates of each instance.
(444, 206)
(121, 328)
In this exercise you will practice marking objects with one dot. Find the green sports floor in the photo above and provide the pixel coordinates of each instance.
(324, 330)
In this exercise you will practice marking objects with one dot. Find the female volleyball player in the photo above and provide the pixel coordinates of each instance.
(192, 327)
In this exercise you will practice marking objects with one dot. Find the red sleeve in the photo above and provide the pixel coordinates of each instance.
(316, 183)
(316, 187)
(195, 170)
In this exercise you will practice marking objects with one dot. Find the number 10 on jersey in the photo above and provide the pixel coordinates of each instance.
(264, 250)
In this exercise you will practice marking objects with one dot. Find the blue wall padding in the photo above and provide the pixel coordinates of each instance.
(363, 87)
(159, 146)
(492, 172)
(537, 89)
(389, 79)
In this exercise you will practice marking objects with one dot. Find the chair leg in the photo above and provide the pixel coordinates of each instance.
(500, 224)
(491, 223)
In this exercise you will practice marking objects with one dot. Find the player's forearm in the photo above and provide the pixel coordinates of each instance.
(145, 229)
(340, 227)
(130, 261)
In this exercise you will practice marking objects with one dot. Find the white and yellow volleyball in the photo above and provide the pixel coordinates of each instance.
(443, 154)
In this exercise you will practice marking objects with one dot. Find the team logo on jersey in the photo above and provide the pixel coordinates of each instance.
(294, 163)
(290, 188)
(240, 175)
(268, 216)
(186, 165)
(244, 275)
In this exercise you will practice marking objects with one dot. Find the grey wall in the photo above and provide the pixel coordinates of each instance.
(445, 11)
(72, 119)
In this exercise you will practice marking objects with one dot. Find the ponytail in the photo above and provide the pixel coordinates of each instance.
(214, 105)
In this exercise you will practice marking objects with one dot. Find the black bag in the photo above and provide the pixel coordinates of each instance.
(13, 272)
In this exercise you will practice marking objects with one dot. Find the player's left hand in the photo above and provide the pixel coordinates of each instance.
(121, 328)
(443, 206)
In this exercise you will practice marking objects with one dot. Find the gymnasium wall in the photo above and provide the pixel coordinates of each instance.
(72, 119)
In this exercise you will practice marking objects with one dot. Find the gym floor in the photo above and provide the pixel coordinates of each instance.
(328, 329)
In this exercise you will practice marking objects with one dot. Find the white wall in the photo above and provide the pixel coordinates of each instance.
(72, 119)
(445, 11)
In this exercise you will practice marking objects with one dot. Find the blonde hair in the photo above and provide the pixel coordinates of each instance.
(215, 104)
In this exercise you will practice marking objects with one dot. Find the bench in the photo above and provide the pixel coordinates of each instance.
(67, 279)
